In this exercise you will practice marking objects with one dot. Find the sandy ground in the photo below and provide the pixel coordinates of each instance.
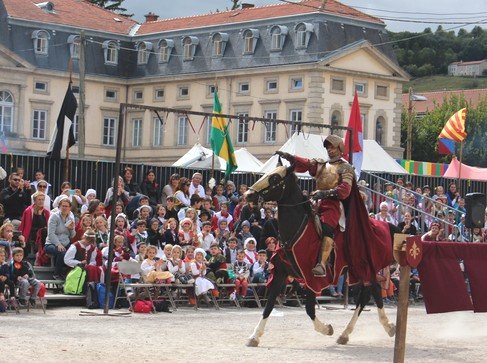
(207, 335)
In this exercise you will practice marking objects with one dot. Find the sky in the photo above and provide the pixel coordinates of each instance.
(473, 10)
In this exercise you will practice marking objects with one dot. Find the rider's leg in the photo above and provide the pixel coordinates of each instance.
(326, 248)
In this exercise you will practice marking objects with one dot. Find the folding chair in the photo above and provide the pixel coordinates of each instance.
(130, 268)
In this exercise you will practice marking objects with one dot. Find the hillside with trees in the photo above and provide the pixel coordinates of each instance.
(429, 53)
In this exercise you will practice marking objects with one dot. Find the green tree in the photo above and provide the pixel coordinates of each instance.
(113, 5)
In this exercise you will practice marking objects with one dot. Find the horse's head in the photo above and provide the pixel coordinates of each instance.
(272, 186)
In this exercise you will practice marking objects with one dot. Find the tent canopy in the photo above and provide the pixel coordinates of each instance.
(467, 172)
(376, 159)
(199, 157)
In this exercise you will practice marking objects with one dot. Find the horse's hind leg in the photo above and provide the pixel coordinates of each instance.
(325, 329)
(389, 327)
(363, 298)
(274, 290)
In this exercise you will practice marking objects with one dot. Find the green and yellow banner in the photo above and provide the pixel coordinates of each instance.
(221, 143)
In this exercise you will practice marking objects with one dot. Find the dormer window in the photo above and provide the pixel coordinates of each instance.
(74, 46)
(41, 41)
(303, 34)
(278, 37)
(219, 43)
(110, 49)
(165, 49)
(143, 52)
(189, 47)
(250, 40)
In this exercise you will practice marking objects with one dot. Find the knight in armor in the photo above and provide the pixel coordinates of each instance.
(334, 183)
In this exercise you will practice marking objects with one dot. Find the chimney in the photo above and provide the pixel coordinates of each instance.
(247, 5)
(151, 17)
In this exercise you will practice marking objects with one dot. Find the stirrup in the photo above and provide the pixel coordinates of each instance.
(319, 270)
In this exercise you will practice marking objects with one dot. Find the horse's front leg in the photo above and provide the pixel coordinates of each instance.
(325, 329)
(274, 290)
(389, 327)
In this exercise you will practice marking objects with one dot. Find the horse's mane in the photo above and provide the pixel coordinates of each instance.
(307, 206)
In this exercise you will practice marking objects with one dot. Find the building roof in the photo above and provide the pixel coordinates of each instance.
(75, 13)
(256, 13)
(461, 63)
(436, 98)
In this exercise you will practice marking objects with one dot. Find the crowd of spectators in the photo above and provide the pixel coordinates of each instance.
(179, 231)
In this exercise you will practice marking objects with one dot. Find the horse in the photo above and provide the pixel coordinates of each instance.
(295, 211)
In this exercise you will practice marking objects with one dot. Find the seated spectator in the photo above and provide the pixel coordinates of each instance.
(216, 266)
(439, 191)
(192, 214)
(244, 233)
(16, 197)
(455, 235)
(414, 281)
(170, 188)
(219, 198)
(154, 270)
(101, 230)
(85, 222)
(34, 218)
(171, 211)
(198, 270)
(477, 235)
(140, 236)
(7, 239)
(433, 234)
(384, 214)
(155, 234)
(74, 195)
(41, 188)
(182, 193)
(241, 268)
(223, 213)
(120, 253)
(206, 206)
(171, 234)
(23, 276)
(177, 267)
(96, 208)
(5, 281)
(143, 213)
(231, 250)
(121, 195)
(60, 230)
(460, 208)
(195, 186)
(205, 238)
(89, 196)
(407, 226)
(222, 233)
(249, 250)
(130, 185)
(39, 177)
(160, 214)
(259, 270)
(232, 196)
(151, 188)
(452, 194)
(187, 235)
(271, 246)
(82, 253)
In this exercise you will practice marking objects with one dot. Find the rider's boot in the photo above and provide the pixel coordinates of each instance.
(326, 247)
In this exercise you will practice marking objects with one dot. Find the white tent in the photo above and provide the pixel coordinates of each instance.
(199, 157)
(376, 159)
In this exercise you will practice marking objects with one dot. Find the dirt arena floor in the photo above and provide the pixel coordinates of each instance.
(206, 335)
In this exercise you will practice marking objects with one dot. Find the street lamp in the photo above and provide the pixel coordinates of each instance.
(409, 138)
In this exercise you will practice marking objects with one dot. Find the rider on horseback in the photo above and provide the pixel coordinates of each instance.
(334, 183)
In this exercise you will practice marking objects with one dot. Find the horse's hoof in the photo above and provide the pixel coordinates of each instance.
(342, 340)
(330, 330)
(252, 342)
(392, 330)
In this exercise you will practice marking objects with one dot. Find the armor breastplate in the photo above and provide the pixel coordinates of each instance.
(328, 176)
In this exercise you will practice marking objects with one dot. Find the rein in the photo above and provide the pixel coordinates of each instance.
(295, 205)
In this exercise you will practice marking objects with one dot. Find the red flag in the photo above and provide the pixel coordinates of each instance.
(455, 127)
(355, 122)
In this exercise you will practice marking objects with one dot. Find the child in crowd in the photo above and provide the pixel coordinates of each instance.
(5, 281)
(219, 198)
(192, 214)
(161, 216)
(217, 266)
(101, 229)
(206, 207)
(177, 267)
(259, 270)
(205, 238)
(140, 235)
(222, 233)
(84, 223)
(249, 250)
(89, 196)
(223, 213)
(271, 245)
(23, 276)
(242, 272)
(244, 233)
(142, 251)
(231, 250)
(171, 210)
(188, 258)
(167, 252)
(171, 235)
(154, 270)
(155, 234)
(119, 253)
(186, 234)
(198, 270)
(143, 214)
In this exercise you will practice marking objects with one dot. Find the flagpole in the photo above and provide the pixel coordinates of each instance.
(460, 168)
(66, 160)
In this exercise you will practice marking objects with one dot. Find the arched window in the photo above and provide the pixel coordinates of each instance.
(278, 36)
(336, 120)
(6, 111)
(74, 46)
(110, 49)
(303, 34)
(41, 41)
(143, 52)
(189, 47)
(250, 40)
(219, 43)
(379, 130)
(165, 49)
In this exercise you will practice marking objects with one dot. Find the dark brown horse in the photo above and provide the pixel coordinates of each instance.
(294, 214)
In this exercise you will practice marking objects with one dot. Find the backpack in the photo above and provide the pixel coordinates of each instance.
(75, 281)
(101, 291)
(143, 306)
(161, 306)
(91, 296)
